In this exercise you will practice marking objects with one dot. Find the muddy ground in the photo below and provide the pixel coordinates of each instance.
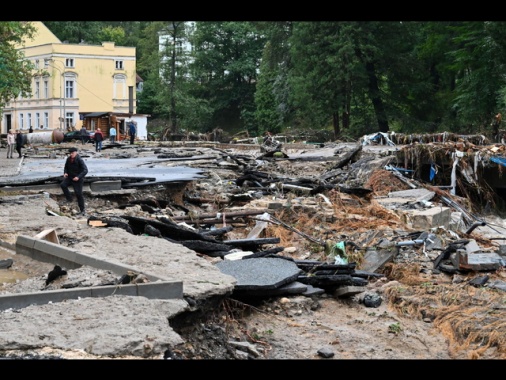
(415, 319)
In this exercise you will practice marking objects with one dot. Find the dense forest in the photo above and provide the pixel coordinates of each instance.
(328, 80)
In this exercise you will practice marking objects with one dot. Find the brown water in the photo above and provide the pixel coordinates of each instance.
(9, 275)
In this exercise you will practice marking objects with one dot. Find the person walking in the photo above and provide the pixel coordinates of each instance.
(99, 137)
(84, 135)
(30, 130)
(11, 143)
(112, 134)
(74, 171)
(19, 142)
(131, 132)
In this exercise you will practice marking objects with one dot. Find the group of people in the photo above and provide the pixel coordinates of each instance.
(75, 169)
(99, 135)
(14, 141)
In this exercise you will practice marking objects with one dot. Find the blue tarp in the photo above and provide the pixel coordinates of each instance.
(499, 160)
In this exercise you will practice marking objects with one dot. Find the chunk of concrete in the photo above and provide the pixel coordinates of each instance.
(415, 194)
(374, 260)
(472, 246)
(428, 218)
(260, 273)
(485, 261)
(99, 186)
(348, 291)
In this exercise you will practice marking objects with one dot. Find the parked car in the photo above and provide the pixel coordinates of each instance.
(76, 136)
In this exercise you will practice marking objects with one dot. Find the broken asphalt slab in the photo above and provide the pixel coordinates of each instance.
(260, 273)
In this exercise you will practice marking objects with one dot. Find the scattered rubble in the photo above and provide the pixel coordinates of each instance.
(353, 219)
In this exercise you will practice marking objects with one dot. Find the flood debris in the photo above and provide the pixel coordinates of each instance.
(388, 221)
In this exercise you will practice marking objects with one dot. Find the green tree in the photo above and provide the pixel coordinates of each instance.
(114, 34)
(15, 71)
(225, 67)
(75, 32)
(426, 100)
(480, 74)
(273, 111)
(328, 64)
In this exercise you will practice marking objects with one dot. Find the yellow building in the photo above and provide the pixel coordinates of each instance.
(71, 80)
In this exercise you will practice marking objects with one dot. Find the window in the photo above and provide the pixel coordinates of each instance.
(21, 121)
(37, 89)
(46, 120)
(69, 89)
(179, 48)
(46, 89)
(37, 66)
(119, 90)
(29, 119)
(69, 119)
(119, 65)
(69, 62)
(37, 119)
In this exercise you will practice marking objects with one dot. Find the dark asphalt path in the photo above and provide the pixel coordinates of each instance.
(29, 169)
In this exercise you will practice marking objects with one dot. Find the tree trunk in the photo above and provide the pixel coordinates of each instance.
(376, 100)
(335, 123)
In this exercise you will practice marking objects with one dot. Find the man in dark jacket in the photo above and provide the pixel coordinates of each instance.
(131, 132)
(19, 142)
(84, 135)
(73, 174)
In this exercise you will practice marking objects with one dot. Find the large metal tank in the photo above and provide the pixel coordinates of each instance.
(44, 138)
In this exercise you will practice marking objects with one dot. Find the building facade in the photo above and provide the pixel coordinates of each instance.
(70, 80)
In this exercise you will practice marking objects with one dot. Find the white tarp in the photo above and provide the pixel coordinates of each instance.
(378, 138)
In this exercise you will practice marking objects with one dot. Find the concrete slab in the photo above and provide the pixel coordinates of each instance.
(472, 246)
(311, 291)
(48, 252)
(485, 261)
(156, 290)
(429, 218)
(416, 194)
(348, 291)
(68, 258)
(99, 186)
(260, 273)
(374, 260)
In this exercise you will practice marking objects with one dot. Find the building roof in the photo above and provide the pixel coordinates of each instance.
(95, 114)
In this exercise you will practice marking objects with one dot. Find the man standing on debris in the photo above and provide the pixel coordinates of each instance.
(131, 132)
(73, 174)
(19, 142)
(84, 134)
(112, 134)
(99, 137)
